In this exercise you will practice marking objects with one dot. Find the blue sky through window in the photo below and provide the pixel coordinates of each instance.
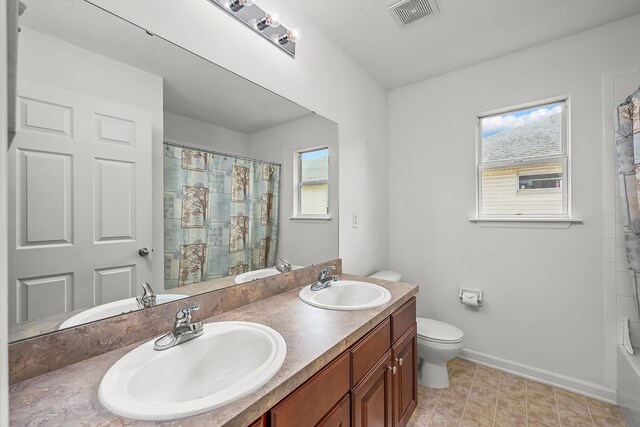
(315, 154)
(493, 125)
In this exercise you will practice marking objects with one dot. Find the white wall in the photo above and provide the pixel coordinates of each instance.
(543, 287)
(199, 134)
(302, 242)
(322, 78)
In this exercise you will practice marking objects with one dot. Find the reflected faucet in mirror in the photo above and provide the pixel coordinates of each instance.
(283, 266)
(148, 297)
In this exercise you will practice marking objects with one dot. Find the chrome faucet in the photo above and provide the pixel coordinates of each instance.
(148, 297)
(282, 265)
(183, 330)
(324, 280)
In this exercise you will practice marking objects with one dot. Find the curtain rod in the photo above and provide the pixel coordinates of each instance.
(217, 153)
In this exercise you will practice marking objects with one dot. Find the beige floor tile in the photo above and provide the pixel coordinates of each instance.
(428, 397)
(536, 423)
(610, 420)
(508, 418)
(465, 364)
(489, 374)
(471, 419)
(483, 392)
(573, 416)
(438, 420)
(514, 403)
(545, 414)
(513, 380)
(420, 417)
(513, 391)
(460, 379)
(451, 404)
(479, 407)
(567, 399)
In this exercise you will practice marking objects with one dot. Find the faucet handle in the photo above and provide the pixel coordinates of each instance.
(325, 271)
(184, 315)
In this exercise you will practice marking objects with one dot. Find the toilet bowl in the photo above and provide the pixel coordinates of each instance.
(438, 342)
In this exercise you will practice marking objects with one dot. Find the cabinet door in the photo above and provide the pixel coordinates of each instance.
(260, 422)
(340, 415)
(405, 381)
(372, 398)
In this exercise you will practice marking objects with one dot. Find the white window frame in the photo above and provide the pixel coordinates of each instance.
(564, 158)
(298, 184)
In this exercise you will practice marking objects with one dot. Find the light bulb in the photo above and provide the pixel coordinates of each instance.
(236, 5)
(267, 21)
(291, 36)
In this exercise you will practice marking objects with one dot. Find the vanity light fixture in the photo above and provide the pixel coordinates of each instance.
(236, 5)
(263, 23)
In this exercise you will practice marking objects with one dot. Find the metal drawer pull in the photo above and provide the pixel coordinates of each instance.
(393, 369)
(399, 360)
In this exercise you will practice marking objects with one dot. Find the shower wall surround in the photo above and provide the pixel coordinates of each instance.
(220, 215)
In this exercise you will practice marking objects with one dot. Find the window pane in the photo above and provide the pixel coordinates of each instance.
(315, 165)
(314, 199)
(503, 192)
(522, 134)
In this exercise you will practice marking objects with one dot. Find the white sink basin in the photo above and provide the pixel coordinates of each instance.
(228, 361)
(113, 309)
(259, 274)
(346, 295)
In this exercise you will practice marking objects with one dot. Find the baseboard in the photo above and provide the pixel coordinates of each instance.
(575, 385)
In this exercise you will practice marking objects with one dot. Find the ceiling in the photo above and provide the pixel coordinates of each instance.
(193, 86)
(465, 32)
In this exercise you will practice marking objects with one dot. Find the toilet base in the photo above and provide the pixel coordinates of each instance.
(434, 375)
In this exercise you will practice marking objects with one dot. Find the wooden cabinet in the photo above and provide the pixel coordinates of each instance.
(372, 384)
(314, 399)
(340, 415)
(405, 381)
(372, 398)
(260, 422)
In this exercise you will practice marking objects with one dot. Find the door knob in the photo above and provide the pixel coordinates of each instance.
(143, 251)
(393, 369)
(399, 360)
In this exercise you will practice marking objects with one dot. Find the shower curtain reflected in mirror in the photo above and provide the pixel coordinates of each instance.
(628, 153)
(220, 215)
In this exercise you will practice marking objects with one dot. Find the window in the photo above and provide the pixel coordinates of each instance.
(312, 189)
(523, 162)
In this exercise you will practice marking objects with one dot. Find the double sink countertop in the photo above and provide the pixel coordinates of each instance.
(314, 337)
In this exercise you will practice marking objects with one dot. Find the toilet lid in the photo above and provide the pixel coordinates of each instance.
(434, 330)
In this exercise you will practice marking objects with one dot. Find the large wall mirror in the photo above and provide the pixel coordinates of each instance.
(136, 161)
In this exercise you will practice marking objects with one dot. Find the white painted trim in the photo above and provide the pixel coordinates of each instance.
(555, 379)
(4, 291)
(528, 222)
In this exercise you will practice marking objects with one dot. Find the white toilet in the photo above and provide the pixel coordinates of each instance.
(438, 342)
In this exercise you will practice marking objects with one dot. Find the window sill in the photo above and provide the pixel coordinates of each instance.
(319, 218)
(526, 222)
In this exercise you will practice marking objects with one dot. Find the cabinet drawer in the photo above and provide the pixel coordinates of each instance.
(402, 319)
(310, 402)
(340, 415)
(366, 352)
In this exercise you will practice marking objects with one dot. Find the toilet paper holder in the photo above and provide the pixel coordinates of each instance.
(476, 292)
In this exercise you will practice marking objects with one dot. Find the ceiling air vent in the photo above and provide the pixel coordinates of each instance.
(407, 11)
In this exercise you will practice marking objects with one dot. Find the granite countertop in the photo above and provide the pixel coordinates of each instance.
(314, 337)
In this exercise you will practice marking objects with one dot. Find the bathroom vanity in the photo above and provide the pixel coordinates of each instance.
(342, 368)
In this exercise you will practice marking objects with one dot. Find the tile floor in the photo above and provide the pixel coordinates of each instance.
(478, 396)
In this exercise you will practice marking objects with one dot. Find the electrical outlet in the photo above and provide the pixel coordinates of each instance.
(354, 220)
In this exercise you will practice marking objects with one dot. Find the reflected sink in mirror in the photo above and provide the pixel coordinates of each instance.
(113, 309)
(259, 274)
(346, 295)
(228, 361)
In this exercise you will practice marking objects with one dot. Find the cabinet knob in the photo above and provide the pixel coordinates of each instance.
(399, 360)
(393, 369)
